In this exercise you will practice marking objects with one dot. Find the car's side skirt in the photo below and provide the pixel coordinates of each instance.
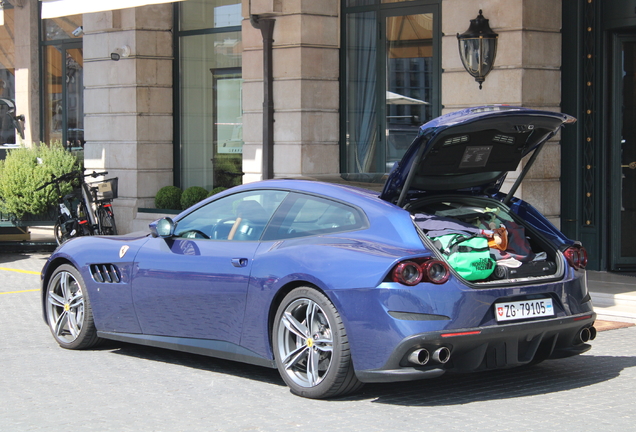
(211, 348)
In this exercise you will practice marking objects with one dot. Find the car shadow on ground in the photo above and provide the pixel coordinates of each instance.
(6, 258)
(196, 361)
(450, 389)
(550, 376)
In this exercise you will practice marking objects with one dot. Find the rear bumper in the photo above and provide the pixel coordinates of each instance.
(485, 348)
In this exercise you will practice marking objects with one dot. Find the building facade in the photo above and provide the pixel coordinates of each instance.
(213, 93)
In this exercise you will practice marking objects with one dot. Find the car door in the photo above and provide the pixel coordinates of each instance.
(194, 284)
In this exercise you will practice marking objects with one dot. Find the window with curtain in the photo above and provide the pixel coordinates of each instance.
(391, 79)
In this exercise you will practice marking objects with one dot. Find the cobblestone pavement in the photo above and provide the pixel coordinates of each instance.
(122, 387)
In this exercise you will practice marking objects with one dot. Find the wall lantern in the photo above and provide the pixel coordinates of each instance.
(478, 48)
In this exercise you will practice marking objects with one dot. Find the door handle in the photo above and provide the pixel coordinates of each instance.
(239, 262)
(632, 165)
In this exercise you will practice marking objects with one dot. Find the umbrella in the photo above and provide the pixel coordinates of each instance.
(398, 99)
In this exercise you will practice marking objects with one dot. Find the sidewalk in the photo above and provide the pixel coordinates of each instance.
(40, 239)
(613, 294)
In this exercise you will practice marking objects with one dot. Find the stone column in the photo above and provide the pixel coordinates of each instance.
(128, 103)
(27, 67)
(527, 73)
(305, 57)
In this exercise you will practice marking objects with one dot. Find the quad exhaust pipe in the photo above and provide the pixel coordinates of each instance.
(587, 334)
(441, 355)
(421, 356)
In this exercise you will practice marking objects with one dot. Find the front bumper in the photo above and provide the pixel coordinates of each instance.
(485, 348)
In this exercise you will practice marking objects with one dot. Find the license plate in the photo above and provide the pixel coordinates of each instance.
(523, 309)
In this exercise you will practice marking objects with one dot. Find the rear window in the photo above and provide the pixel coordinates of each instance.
(307, 215)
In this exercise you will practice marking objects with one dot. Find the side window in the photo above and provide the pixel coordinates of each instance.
(241, 217)
(307, 215)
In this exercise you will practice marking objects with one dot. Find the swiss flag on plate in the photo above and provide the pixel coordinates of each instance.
(500, 311)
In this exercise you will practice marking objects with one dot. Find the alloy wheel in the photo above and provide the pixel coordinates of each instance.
(305, 342)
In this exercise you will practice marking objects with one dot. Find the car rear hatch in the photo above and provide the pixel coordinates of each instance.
(470, 150)
(449, 179)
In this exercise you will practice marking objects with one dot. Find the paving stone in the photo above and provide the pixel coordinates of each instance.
(122, 387)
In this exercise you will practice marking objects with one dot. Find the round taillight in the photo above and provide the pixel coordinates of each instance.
(576, 256)
(583, 257)
(407, 273)
(435, 271)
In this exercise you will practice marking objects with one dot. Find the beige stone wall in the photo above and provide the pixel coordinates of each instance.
(128, 103)
(305, 62)
(526, 73)
(27, 68)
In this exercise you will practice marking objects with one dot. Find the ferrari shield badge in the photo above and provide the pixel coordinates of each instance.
(123, 251)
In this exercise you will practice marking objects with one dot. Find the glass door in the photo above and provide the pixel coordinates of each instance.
(622, 170)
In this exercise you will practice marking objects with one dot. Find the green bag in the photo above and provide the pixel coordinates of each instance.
(468, 255)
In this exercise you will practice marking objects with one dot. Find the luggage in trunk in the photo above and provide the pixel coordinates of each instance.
(522, 253)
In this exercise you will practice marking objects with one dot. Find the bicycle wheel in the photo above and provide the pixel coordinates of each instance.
(106, 221)
(85, 227)
(57, 230)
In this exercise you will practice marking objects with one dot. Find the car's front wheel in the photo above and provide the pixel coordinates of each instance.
(68, 310)
(311, 346)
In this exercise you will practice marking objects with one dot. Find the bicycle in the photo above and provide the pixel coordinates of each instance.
(100, 196)
(87, 210)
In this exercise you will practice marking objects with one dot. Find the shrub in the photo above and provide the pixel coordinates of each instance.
(227, 171)
(26, 169)
(193, 195)
(216, 190)
(168, 197)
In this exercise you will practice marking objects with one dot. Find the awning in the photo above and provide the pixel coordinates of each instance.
(59, 8)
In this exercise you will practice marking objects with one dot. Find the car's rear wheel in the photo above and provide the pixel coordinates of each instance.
(68, 310)
(311, 346)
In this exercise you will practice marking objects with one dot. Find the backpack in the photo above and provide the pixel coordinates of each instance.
(469, 255)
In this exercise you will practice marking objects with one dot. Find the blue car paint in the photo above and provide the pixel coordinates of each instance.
(326, 262)
(431, 133)
(350, 268)
(191, 289)
(111, 303)
(532, 217)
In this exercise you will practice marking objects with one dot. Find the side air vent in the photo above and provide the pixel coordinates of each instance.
(456, 140)
(504, 139)
(105, 273)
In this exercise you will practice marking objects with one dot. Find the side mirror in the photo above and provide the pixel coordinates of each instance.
(163, 228)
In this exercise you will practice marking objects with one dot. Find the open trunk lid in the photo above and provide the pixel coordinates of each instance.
(472, 149)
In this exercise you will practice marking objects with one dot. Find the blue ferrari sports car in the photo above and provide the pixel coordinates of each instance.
(372, 278)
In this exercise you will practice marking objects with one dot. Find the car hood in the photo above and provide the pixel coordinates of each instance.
(470, 150)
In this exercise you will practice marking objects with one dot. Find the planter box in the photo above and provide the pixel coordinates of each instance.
(13, 233)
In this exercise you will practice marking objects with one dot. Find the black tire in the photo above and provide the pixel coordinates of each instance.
(68, 310)
(314, 362)
(84, 229)
(106, 222)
